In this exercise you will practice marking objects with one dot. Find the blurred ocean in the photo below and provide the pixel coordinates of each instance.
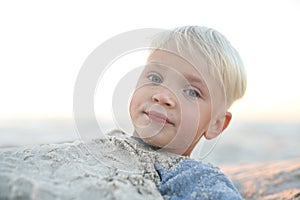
(242, 142)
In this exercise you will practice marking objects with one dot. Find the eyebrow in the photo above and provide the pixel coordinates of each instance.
(195, 79)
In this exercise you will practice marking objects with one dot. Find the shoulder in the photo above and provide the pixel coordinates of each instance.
(190, 179)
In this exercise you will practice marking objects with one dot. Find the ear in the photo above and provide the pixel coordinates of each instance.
(218, 126)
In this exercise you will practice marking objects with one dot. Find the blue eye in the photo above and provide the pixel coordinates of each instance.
(154, 78)
(192, 93)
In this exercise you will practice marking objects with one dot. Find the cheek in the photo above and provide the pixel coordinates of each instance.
(190, 120)
(136, 101)
(194, 118)
(132, 105)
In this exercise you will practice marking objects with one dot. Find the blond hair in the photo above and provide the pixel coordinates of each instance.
(218, 51)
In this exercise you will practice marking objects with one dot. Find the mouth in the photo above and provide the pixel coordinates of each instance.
(158, 117)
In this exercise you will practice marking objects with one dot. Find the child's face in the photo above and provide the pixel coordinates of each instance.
(171, 107)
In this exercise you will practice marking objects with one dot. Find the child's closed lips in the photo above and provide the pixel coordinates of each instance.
(158, 117)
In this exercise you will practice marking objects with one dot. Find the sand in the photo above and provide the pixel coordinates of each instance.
(102, 169)
(117, 168)
(271, 180)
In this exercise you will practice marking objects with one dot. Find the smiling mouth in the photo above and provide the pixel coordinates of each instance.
(158, 117)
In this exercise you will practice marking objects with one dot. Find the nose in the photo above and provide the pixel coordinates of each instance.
(164, 98)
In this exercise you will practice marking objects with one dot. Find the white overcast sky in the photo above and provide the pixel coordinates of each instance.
(43, 45)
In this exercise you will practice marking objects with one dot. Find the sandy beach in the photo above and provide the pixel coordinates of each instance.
(268, 180)
(241, 143)
(261, 159)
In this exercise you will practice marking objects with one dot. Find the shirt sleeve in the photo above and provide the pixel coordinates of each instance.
(190, 179)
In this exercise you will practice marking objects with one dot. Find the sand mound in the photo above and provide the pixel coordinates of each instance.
(103, 169)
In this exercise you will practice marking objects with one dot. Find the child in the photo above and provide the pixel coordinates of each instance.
(192, 77)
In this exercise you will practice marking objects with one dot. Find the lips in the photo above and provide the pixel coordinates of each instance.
(158, 117)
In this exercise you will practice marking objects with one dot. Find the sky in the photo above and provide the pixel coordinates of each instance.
(43, 45)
